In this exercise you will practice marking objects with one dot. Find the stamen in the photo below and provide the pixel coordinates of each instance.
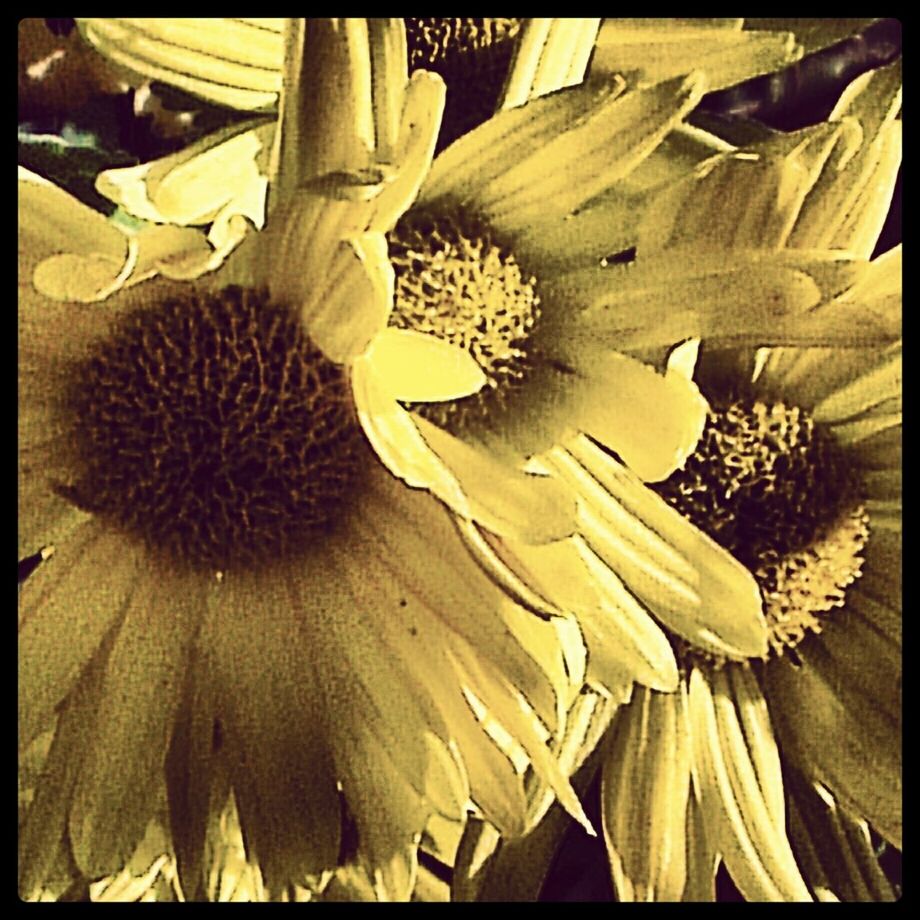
(455, 281)
(774, 488)
(210, 426)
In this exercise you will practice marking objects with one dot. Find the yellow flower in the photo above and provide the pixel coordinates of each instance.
(549, 241)
(237, 601)
(798, 475)
(501, 254)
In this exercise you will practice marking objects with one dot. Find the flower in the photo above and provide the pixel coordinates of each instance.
(560, 242)
(237, 601)
(798, 475)
(529, 270)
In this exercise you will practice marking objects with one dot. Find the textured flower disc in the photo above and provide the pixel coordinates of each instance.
(473, 57)
(456, 281)
(211, 426)
(776, 491)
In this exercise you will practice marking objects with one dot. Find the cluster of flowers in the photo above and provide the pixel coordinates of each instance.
(391, 477)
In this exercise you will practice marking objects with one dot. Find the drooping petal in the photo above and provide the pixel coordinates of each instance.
(467, 479)
(71, 251)
(231, 62)
(646, 784)
(738, 779)
(316, 257)
(623, 642)
(652, 421)
(224, 172)
(690, 583)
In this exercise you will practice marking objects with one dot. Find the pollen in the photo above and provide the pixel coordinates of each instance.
(774, 488)
(473, 56)
(454, 280)
(211, 427)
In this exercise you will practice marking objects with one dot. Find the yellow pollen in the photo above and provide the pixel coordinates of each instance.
(453, 280)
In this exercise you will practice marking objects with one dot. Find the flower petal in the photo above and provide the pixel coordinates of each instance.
(45, 826)
(414, 151)
(415, 367)
(652, 421)
(231, 62)
(65, 596)
(834, 849)
(271, 705)
(645, 788)
(752, 298)
(551, 54)
(315, 257)
(689, 582)
(839, 737)
(472, 483)
(71, 251)
(222, 171)
(737, 775)
(124, 759)
(650, 50)
(587, 138)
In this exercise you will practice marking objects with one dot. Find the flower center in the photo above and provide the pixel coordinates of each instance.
(776, 491)
(473, 57)
(214, 429)
(455, 281)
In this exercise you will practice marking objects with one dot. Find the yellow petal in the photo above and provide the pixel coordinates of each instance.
(652, 421)
(689, 582)
(315, 258)
(423, 368)
(654, 50)
(231, 62)
(737, 775)
(62, 598)
(589, 155)
(550, 55)
(622, 639)
(645, 791)
(124, 758)
(414, 150)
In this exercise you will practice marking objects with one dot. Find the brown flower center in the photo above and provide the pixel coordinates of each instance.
(473, 57)
(774, 488)
(212, 427)
(456, 281)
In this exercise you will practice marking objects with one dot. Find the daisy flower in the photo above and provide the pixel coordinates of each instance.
(797, 474)
(491, 215)
(237, 601)
(547, 244)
